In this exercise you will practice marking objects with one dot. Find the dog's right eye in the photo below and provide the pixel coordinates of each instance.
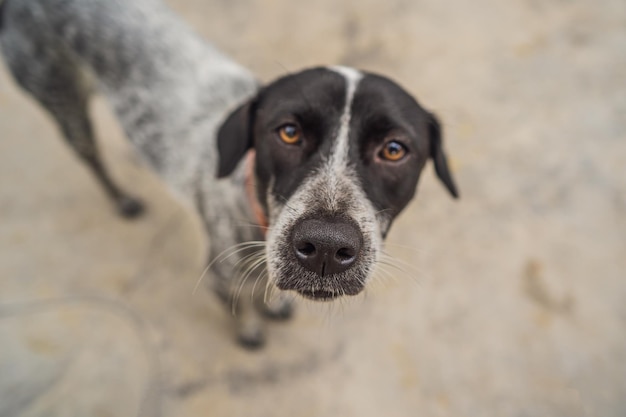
(393, 151)
(290, 134)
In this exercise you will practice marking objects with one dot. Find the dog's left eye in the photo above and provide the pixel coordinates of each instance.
(290, 134)
(393, 151)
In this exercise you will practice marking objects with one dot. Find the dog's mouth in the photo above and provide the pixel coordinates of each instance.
(320, 292)
(319, 295)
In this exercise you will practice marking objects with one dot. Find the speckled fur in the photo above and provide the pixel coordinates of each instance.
(169, 89)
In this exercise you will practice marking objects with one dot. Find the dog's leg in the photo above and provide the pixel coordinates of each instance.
(76, 127)
(236, 276)
(49, 72)
(250, 328)
(238, 299)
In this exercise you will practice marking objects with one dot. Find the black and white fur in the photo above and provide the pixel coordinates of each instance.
(193, 115)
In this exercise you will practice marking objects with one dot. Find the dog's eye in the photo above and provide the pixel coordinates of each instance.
(393, 151)
(290, 134)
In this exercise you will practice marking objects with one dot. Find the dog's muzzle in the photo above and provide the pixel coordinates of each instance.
(327, 249)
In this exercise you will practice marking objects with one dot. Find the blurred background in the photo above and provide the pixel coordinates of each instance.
(513, 299)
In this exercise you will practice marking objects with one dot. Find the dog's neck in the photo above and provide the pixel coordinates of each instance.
(250, 183)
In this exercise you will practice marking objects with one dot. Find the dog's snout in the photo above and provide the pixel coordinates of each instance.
(326, 247)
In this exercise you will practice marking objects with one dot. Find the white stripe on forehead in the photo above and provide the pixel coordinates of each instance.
(339, 156)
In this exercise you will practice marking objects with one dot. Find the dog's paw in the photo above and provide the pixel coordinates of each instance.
(129, 208)
(281, 308)
(251, 338)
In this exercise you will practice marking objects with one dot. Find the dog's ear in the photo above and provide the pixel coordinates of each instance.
(235, 138)
(438, 156)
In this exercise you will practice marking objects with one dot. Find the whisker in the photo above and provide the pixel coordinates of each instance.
(399, 245)
(241, 246)
(258, 226)
(382, 211)
(381, 275)
(286, 203)
(244, 265)
(393, 263)
(244, 261)
(393, 259)
(267, 285)
(405, 268)
(261, 275)
(241, 249)
(247, 274)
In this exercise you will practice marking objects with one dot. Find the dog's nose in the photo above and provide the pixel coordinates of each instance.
(326, 247)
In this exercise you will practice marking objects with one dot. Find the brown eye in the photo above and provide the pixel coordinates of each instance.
(290, 134)
(393, 151)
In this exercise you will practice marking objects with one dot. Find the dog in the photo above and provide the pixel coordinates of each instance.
(321, 160)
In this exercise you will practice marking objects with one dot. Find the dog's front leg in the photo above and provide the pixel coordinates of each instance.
(238, 276)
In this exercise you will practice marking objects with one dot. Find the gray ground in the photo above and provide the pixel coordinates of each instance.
(514, 303)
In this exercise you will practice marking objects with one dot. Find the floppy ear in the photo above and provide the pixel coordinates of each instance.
(438, 156)
(234, 138)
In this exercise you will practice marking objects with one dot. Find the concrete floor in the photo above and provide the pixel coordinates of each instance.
(514, 299)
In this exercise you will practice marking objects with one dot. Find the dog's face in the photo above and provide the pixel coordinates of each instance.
(338, 155)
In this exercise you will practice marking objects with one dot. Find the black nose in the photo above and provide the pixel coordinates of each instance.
(326, 246)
